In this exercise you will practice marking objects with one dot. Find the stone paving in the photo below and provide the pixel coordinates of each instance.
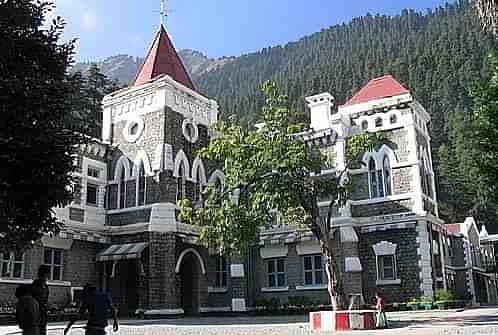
(483, 321)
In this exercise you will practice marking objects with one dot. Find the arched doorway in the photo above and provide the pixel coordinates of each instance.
(190, 267)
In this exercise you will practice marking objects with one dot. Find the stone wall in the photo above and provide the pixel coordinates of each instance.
(129, 217)
(402, 180)
(382, 208)
(294, 274)
(406, 263)
(360, 186)
(397, 140)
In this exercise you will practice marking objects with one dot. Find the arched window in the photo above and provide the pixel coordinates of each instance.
(386, 170)
(141, 185)
(393, 119)
(122, 189)
(372, 176)
(364, 125)
(181, 182)
(378, 122)
(199, 187)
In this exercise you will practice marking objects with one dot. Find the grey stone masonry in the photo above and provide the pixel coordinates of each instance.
(407, 268)
(360, 186)
(397, 140)
(402, 180)
(382, 208)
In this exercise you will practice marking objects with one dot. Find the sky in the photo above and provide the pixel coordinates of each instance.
(215, 27)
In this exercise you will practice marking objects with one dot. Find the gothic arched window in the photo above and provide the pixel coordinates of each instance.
(141, 185)
(372, 176)
(181, 183)
(199, 187)
(122, 189)
(386, 170)
(393, 118)
(364, 125)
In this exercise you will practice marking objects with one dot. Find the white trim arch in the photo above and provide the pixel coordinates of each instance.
(196, 253)
(144, 158)
(378, 157)
(181, 157)
(217, 174)
(198, 164)
(122, 163)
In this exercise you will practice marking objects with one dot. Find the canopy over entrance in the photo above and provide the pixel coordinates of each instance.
(122, 251)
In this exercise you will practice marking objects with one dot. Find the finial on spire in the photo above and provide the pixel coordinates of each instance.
(163, 13)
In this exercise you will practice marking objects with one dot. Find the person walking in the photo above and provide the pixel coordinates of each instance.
(41, 293)
(27, 311)
(98, 304)
(381, 321)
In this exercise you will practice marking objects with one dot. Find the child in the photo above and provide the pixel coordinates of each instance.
(27, 311)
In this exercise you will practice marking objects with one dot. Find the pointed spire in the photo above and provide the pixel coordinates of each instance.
(162, 59)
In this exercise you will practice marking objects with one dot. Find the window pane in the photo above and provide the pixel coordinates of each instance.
(388, 273)
(308, 278)
(47, 256)
(5, 269)
(271, 281)
(388, 261)
(57, 273)
(281, 279)
(18, 256)
(57, 257)
(318, 262)
(91, 194)
(318, 277)
(271, 266)
(218, 279)
(6, 256)
(280, 265)
(17, 270)
(381, 184)
(223, 279)
(307, 263)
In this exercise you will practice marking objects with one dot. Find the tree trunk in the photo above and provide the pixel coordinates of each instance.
(332, 275)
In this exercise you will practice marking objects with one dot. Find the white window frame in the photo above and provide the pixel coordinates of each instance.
(275, 273)
(53, 265)
(10, 264)
(386, 249)
(381, 271)
(313, 270)
(221, 271)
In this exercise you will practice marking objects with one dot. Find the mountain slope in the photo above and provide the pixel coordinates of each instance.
(123, 68)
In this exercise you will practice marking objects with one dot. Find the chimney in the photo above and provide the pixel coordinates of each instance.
(320, 110)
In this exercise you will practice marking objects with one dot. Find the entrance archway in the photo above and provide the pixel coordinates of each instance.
(190, 267)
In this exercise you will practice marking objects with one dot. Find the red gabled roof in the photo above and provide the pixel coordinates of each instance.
(162, 59)
(378, 88)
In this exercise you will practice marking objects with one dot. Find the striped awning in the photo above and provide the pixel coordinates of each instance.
(122, 251)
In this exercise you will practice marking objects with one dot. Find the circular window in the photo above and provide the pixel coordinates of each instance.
(190, 131)
(133, 129)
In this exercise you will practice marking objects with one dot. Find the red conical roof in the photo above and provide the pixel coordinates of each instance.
(378, 88)
(163, 59)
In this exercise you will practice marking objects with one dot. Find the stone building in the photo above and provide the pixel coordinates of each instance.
(122, 232)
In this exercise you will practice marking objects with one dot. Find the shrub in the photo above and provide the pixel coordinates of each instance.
(443, 295)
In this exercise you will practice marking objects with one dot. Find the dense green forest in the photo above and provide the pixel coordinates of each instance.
(438, 54)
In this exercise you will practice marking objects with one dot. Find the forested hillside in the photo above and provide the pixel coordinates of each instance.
(438, 54)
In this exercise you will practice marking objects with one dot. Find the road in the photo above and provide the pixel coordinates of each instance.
(482, 321)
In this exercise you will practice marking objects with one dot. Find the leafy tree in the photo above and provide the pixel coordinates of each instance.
(486, 134)
(272, 170)
(35, 143)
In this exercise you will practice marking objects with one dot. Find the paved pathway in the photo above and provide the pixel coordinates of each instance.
(482, 321)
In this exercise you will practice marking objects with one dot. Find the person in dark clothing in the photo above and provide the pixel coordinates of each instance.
(98, 304)
(40, 293)
(27, 311)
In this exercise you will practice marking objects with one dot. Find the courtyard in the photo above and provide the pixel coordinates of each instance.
(470, 321)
